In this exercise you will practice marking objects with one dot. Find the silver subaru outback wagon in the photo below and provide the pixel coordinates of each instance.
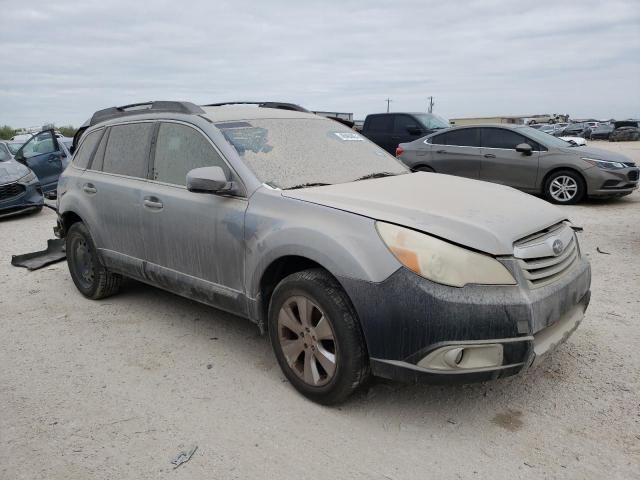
(351, 263)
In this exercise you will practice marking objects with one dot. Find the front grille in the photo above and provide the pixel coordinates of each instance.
(633, 175)
(10, 190)
(537, 259)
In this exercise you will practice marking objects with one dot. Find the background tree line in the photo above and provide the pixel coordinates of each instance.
(6, 131)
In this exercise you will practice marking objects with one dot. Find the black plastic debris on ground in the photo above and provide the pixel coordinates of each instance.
(55, 252)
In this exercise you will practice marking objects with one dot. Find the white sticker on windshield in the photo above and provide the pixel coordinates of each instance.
(349, 136)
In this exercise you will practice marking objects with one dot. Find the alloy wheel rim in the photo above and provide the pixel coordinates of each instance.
(563, 188)
(307, 341)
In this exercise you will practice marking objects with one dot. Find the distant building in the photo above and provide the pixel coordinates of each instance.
(511, 119)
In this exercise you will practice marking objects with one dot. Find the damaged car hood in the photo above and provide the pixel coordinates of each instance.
(11, 171)
(480, 215)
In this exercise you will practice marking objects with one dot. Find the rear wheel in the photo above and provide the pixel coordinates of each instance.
(316, 336)
(565, 187)
(88, 274)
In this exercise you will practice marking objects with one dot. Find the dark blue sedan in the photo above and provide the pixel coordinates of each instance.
(20, 190)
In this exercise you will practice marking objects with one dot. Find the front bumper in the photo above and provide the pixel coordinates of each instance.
(29, 200)
(605, 183)
(406, 318)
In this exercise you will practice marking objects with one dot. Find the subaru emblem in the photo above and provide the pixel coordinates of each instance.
(558, 247)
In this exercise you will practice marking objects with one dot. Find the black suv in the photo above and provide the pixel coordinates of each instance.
(388, 130)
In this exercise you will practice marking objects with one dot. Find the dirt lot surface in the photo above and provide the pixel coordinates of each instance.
(116, 388)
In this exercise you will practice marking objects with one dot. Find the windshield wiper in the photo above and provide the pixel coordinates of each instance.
(376, 175)
(312, 184)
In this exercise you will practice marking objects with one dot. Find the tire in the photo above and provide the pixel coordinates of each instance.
(424, 169)
(326, 360)
(565, 187)
(87, 272)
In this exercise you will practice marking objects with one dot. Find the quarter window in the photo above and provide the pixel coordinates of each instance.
(502, 138)
(180, 149)
(128, 149)
(87, 147)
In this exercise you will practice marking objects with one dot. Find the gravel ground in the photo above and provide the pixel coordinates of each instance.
(116, 388)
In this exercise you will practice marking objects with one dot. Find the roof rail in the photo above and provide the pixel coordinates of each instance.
(280, 105)
(145, 107)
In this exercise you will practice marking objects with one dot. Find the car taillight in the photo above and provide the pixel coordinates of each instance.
(399, 151)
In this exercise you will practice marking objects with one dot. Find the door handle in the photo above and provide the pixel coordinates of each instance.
(89, 188)
(53, 157)
(489, 155)
(441, 151)
(152, 203)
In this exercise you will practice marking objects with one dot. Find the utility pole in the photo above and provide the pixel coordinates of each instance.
(431, 104)
(388, 102)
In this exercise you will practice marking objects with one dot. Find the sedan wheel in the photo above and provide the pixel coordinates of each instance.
(565, 187)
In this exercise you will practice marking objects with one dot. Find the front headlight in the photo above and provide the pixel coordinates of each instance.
(440, 261)
(28, 178)
(606, 164)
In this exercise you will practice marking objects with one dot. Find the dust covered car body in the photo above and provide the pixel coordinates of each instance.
(353, 264)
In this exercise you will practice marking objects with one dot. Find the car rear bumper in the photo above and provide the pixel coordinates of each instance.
(410, 324)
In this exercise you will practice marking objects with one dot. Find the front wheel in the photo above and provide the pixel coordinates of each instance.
(88, 274)
(424, 169)
(316, 337)
(565, 187)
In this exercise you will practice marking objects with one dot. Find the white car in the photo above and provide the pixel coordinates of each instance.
(579, 141)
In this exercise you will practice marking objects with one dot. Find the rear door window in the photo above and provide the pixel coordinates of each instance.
(181, 148)
(502, 138)
(87, 147)
(127, 149)
(465, 137)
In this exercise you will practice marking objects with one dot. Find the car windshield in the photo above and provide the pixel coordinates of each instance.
(4, 153)
(294, 152)
(544, 138)
(431, 121)
(14, 147)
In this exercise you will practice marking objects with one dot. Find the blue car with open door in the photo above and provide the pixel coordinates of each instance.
(45, 154)
(20, 190)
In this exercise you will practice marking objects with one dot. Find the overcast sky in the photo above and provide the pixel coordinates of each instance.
(62, 60)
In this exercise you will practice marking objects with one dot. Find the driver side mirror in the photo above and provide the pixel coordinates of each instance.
(209, 180)
(524, 148)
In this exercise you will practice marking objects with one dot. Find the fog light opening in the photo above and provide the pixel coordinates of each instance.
(454, 356)
(464, 357)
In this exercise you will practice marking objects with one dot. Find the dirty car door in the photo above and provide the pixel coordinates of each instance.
(501, 163)
(194, 241)
(113, 187)
(42, 154)
(457, 152)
